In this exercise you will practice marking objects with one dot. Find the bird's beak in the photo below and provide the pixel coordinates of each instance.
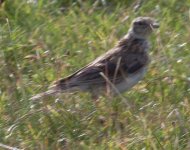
(155, 25)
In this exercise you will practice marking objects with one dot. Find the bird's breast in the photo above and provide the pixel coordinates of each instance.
(130, 80)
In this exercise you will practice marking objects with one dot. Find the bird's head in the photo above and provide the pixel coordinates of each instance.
(142, 27)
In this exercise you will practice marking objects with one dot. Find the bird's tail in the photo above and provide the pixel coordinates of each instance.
(59, 86)
(44, 94)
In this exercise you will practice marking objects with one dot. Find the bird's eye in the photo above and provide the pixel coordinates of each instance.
(139, 23)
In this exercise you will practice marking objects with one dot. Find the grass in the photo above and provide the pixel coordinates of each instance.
(44, 40)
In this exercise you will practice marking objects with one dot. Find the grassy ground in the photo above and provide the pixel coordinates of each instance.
(44, 40)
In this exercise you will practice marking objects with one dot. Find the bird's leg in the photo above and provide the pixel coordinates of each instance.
(95, 98)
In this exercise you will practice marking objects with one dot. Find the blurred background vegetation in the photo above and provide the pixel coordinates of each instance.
(41, 41)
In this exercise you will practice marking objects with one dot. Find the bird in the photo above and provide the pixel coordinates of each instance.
(115, 71)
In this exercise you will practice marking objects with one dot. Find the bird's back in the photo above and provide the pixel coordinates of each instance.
(125, 60)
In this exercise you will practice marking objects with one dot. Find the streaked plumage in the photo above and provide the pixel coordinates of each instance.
(117, 70)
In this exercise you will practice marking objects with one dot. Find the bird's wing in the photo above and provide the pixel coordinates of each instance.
(114, 65)
(122, 60)
(112, 69)
(101, 73)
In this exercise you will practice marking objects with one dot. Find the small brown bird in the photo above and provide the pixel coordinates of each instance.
(117, 70)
